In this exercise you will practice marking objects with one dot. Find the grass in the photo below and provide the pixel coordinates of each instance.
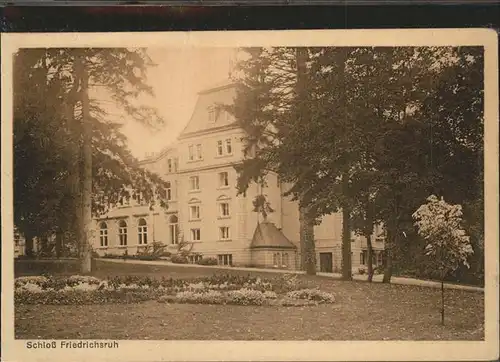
(363, 311)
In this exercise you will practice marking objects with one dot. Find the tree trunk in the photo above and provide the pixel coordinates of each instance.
(308, 251)
(59, 243)
(86, 178)
(346, 236)
(388, 255)
(442, 301)
(370, 256)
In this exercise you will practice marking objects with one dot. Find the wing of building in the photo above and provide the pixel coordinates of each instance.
(204, 207)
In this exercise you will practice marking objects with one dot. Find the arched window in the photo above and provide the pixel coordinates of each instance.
(142, 231)
(174, 229)
(103, 234)
(122, 232)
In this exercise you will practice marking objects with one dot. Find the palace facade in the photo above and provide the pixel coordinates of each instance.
(205, 210)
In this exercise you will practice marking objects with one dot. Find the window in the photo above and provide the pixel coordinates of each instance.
(198, 152)
(174, 229)
(195, 235)
(194, 183)
(194, 212)
(17, 238)
(277, 260)
(224, 209)
(142, 231)
(169, 165)
(362, 257)
(224, 233)
(224, 147)
(122, 232)
(380, 258)
(191, 153)
(284, 260)
(225, 259)
(220, 148)
(193, 259)
(223, 179)
(212, 115)
(176, 164)
(103, 234)
(168, 191)
(138, 198)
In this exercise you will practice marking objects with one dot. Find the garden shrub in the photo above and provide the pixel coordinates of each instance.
(287, 282)
(246, 297)
(207, 261)
(179, 259)
(311, 294)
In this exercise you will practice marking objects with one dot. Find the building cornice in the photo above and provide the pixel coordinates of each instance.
(210, 167)
(227, 127)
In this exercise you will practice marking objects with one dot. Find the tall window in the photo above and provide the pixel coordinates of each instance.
(174, 229)
(194, 212)
(198, 152)
(122, 232)
(224, 209)
(229, 148)
(220, 148)
(225, 259)
(195, 235)
(142, 231)
(362, 257)
(176, 164)
(284, 260)
(277, 260)
(168, 191)
(169, 165)
(211, 115)
(224, 233)
(223, 179)
(191, 152)
(194, 183)
(17, 238)
(103, 234)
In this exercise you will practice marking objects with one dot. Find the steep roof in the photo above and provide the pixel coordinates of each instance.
(268, 236)
(222, 94)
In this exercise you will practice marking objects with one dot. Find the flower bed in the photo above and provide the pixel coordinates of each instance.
(217, 289)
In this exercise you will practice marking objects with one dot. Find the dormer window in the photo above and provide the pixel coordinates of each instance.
(212, 114)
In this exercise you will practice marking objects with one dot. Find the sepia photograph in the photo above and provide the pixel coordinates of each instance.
(249, 190)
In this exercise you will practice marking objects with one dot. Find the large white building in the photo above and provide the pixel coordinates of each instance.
(204, 207)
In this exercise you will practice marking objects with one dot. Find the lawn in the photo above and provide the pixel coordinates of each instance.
(362, 311)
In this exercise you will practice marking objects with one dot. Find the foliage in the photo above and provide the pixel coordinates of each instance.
(312, 294)
(207, 261)
(440, 224)
(179, 259)
(48, 135)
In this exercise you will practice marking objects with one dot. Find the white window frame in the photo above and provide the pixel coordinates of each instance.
(223, 179)
(224, 233)
(173, 228)
(194, 215)
(225, 259)
(194, 181)
(169, 165)
(224, 209)
(199, 151)
(220, 148)
(195, 234)
(191, 152)
(228, 146)
(103, 234)
(168, 191)
(123, 233)
(142, 232)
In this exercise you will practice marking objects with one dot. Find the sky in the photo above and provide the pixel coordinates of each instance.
(179, 75)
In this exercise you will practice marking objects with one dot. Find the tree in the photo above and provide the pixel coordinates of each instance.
(447, 244)
(54, 98)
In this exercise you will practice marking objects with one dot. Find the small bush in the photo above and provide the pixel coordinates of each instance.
(312, 295)
(246, 297)
(361, 271)
(207, 261)
(179, 259)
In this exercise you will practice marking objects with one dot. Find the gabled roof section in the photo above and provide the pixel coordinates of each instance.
(210, 100)
(268, 236)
